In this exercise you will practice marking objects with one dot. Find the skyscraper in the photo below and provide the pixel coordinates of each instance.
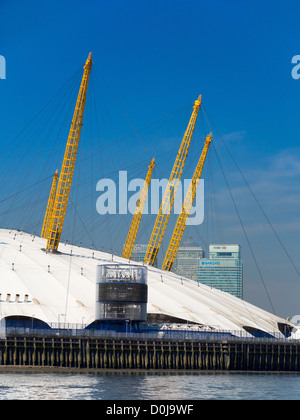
(223, 269)
(187, 261)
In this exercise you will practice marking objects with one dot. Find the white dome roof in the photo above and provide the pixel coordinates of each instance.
(61, 288)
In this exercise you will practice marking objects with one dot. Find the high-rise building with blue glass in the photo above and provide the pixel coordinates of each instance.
(223, 269)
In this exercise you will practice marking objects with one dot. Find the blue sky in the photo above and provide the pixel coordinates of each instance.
(155, 57)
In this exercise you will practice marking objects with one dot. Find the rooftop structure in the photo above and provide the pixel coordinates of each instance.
(61, 287)
(224, 251)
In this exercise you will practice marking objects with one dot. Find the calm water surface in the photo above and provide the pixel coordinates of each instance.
(149, 386)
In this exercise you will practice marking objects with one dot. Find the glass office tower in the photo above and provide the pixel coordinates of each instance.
(187, 261)
(223, 269)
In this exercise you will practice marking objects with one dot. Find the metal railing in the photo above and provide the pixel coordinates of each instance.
(77, 330)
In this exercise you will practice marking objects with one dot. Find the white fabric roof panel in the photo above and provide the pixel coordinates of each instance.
(61, 288)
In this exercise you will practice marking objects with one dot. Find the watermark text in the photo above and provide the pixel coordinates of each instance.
(122, 197)
(296, 68)
(2, 67)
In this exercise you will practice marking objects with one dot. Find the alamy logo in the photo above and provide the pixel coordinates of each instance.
(2, 67)
(115, 199)
(296, 69)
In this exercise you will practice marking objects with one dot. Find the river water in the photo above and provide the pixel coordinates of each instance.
(149, 386)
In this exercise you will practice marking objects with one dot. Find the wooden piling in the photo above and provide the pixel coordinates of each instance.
(135, 354)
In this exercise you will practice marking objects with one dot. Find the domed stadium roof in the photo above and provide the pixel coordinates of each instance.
(61, 288)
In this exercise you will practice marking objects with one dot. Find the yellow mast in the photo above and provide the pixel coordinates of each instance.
(170, 193)
(67, 171)
(136, 220)
(50, 206)
(186, 209)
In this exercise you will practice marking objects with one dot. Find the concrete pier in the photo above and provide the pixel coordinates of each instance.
(134, 354)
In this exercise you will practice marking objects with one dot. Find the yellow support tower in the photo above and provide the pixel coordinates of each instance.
(171, 190)
(67, 171)
(186, 209)
(50, 206)
(136, 220)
